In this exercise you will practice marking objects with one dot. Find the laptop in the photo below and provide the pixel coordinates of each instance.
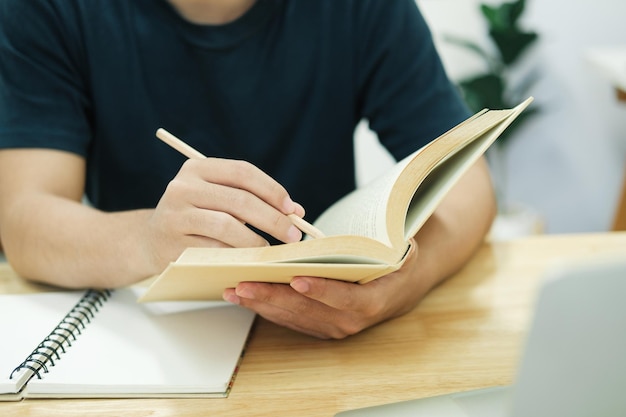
(574, 359)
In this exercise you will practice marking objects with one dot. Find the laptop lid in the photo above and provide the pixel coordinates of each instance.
(574, 361)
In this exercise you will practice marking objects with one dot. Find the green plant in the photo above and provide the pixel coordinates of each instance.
(493, 89)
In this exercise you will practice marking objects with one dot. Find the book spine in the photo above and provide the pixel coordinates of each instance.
(61, 337)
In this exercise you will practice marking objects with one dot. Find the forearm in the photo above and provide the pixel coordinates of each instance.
(62, 242)
(456, 229)
(50, 236)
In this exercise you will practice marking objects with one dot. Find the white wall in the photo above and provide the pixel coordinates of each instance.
(568, 162)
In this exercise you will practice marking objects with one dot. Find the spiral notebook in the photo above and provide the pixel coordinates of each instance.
(103, 344)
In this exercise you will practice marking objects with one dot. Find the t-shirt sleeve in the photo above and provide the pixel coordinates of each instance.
(43, 99)
(403, 90)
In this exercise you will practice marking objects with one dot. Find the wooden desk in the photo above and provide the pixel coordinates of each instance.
(466, 334)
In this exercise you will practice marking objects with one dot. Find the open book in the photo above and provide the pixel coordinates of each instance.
(367, 232)
(96, 344)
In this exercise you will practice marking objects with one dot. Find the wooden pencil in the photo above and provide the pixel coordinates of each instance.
(192, 153)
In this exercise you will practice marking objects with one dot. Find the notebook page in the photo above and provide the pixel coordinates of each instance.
(151, 349)
(25, 320)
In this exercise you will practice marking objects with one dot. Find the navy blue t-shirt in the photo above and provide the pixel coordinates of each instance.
(282, 87)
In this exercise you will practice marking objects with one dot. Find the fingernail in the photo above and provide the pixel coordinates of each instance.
(244, 293)
(300, 285)
(231, 298)
(294, 234)
(289, 206)
(299, 210)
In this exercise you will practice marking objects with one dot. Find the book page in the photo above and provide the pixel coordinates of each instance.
(379, 209)
(364, 211)
(432, 173)
(446, 173)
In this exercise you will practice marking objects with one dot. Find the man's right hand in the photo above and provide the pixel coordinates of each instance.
(211, 201)
(50, 236)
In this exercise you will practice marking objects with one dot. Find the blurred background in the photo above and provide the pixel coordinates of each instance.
(565, 164)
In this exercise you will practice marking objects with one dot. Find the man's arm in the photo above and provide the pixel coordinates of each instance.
(332, 309)
(50, 236)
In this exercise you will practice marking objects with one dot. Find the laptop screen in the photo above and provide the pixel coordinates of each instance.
(574, 361)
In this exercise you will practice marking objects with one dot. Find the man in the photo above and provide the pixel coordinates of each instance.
(270, 89)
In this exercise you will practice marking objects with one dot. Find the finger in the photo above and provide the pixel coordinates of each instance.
(210, 226)
(236, 199)
(299, 211)
(177, 216)
(169, 245)
(282, 305)
(363, 298)
(343, 296)
(247, 208)
(277, 315)
(245, 176)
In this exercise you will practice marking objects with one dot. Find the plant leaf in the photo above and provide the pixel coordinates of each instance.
(503, 16)
(511, 43)
(483, 91)
(467, 44)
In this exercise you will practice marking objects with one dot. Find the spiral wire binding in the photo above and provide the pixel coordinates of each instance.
(62, 336)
